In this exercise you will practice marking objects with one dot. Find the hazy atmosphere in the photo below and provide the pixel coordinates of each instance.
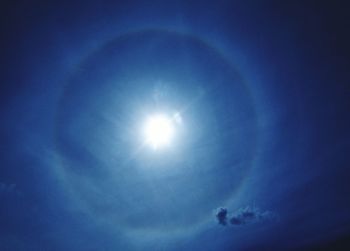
(174, 125)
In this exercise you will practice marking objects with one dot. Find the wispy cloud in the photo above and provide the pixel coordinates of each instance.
(8, 188)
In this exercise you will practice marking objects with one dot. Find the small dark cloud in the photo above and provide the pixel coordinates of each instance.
(236, 221)
(221, 216)
(243, 216)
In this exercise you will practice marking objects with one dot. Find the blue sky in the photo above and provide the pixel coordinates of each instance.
(261, 90)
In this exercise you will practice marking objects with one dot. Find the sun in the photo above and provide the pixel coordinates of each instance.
(159, 131)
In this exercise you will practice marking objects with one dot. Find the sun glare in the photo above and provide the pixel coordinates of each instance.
(159, 131)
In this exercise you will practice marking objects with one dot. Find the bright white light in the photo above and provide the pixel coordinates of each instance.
(159, 131)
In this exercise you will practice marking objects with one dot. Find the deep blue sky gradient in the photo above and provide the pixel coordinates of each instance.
(263, 89)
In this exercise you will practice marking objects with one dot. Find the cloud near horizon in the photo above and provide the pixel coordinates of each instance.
(243, 216)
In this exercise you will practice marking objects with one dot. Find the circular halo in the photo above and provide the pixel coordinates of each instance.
(96, 164)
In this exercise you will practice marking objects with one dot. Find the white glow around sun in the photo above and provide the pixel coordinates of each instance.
(159, 131)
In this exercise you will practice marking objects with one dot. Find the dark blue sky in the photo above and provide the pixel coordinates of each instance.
(263, 92)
